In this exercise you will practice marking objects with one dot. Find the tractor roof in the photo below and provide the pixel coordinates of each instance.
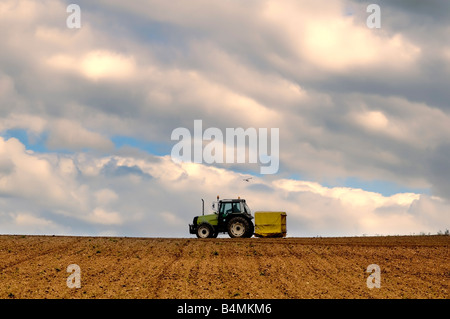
(234, 200)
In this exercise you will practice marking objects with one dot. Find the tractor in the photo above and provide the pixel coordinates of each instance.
(232, 216)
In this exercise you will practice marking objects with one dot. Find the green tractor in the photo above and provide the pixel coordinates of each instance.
(232, 216)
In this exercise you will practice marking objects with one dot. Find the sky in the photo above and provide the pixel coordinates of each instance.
(86, 114)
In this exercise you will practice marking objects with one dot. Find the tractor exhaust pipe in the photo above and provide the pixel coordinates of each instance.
(203, 207)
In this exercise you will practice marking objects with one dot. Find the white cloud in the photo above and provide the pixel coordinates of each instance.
(29, 223)
(135, 201)
(62, 133)
(66, 134)
(96, 65)
(171, 219)
(31, 176)
(106, 196)
(446, 54)
(350, 197)
(102, 216)
(320, 34)
(31, 123)
(105, 65)
(28, 219)
(373, 120)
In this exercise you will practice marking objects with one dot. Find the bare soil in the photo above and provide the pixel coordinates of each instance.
(113, 267)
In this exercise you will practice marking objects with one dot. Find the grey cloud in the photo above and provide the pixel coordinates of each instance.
(439, 170)
(6, 166)
(111, 169)
(421, 12)
(260, 188)
(434, 10)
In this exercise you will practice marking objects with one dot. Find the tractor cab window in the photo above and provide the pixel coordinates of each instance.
(247, 209)
(225, 209)
(236, 207)
(229, 208)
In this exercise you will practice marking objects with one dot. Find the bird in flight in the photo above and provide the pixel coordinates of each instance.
(247, 179)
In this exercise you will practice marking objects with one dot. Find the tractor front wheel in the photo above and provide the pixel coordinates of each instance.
(205, 231)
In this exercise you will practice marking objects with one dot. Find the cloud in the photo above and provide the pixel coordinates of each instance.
(338, 43)
(352, 197)
(373, 120)
(439, 170)
(105, 196)
(66, 134)
(96, 65)
(29, 223)
(102, 216)
(171, 219)
(30, 220)
(31, 123)
(31, 177)
(130, 204)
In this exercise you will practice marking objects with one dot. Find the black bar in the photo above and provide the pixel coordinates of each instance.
(223, 308)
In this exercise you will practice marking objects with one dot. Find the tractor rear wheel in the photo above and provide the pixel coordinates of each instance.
(251, 230)
(238, 227)
(205, 231)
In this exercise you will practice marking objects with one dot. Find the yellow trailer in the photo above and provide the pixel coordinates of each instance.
(270, 224)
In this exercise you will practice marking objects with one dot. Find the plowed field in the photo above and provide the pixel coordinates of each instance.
(411, 267)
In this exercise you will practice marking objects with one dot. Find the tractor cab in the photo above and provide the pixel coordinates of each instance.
(227, 207)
